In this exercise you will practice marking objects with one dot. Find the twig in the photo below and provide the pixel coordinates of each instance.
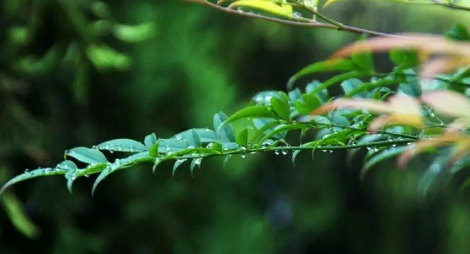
(447, 5)
(295, 23)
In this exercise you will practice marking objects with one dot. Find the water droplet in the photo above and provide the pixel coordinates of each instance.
(26, 170)
(87, 175)
(368, 148)
(394, 145)
(432, 115)
(207, 130)
(276, 152)
(253, 152)
(324, 151)
(198, 161)
(376, 149)
(297, 14)
(409, 143)
(243, 156)
(330, 151)
(111, 151)
(284, 152)
(210, 145)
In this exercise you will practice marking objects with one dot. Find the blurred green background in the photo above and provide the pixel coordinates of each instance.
(79, 72)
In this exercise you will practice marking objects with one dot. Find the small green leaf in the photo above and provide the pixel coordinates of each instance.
(281, 105)
(322, 93)
(412, 87)
(150, 140)
(226, 134)
(363, 60)
(458, 32)
(153, 150)
(263, 6)
(339, 120)
(134, 33)
(404, 58)
(264, 126)
(294, 156)
(350, 85)
(86, 155)
(177, 164)
(382, 155)
(122, 145)
(282, 128)
(264, 98)
(256, 111)
(195, 162)
(33, 174)
(329, 65)
(295, 94)
(242, 137)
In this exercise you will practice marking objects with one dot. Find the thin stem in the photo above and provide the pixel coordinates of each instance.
(443, 4)
(297, 21)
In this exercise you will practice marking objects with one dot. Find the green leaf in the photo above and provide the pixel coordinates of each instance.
(328, 65)
(339, 120)
(363, 60)
(193, 139)
(33, 174)
(195, 162)
(350, 85)
(177, 164)
(382, 155)
(308, 103)
(86, 155)
(294, 156)
(150, 140)
(412, 87)
(338, 78)
(282, 128)
(153, 150)
(264, 98)
(322, 93)
(171, 145)
(281, 105)
(458, 32)
(295, 94)
(205, 135)
(134, 33)
(226, 133)
(256, 111)
(404, 58)
(122, 145)
(118, 164)
(264, 126)
(242, 137)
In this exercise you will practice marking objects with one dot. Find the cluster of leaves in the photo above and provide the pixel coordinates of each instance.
(389, 114)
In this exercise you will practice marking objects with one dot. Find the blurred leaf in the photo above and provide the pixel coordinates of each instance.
(256, 111)
(382, 155)
(281, 105)
(363, 59)
(134, 33)
(328, 65)
(226, 134)
(265, 6)
(459, 32)
(104, 57)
